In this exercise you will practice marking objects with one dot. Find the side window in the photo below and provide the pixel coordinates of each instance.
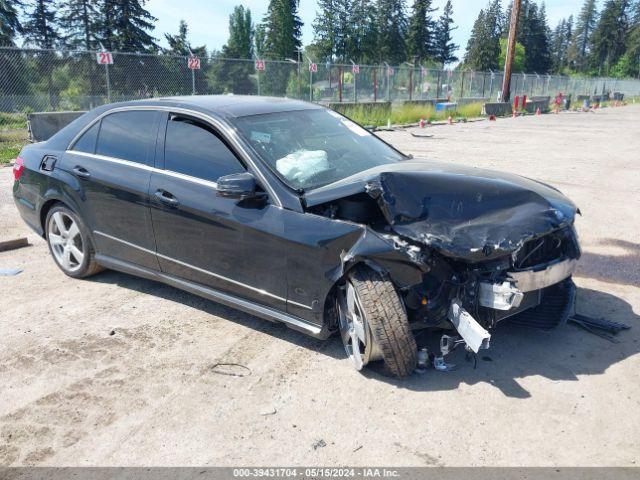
(127, 135)
(194, 149)
(87, 142)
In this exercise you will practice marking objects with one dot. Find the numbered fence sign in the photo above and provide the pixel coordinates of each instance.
(193, 63)
(313, 67)
(260, 65)
(355, 69)
(104, 58)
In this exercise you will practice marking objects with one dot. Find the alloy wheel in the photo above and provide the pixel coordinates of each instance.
(354, 331)
(66, 241)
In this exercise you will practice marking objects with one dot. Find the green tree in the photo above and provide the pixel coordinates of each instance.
(282, 29)
(582, 37)
(533, 33)
(9, 22)
(78, 20)
(519, 56)
(421, 35)
(232, 76)
(610, 36)
(365, 31)
(325, 28)
(445, 49)
(483, 47)
(391, 27)
(125, 26)
(41, 28)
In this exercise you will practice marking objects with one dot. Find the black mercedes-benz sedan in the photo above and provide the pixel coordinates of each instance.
(294, 213)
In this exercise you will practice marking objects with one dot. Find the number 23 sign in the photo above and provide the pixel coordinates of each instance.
(104, 58)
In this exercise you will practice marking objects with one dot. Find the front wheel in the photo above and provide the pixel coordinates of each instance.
(374, 324)
(69, 243)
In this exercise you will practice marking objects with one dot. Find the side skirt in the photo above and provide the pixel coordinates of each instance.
(227, 299)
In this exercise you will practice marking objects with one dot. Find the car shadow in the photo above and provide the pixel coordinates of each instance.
(274, 329)
(516, 352)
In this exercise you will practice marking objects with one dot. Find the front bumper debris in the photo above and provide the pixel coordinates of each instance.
(469, 329)
(529, 280)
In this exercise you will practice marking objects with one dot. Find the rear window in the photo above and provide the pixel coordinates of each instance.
(87, 142)
(127, 135)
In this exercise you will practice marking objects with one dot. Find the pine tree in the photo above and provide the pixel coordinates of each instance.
(40, 29)
(483, 47)
(534, 36)
(610, 36)
(9, 22)
(392, 27)
(325, 31)
(282, 29)
(78, 21)
(179, 44)
(422, 31)
(585, 25)
(228, 76)
(365, 30)
(125, 25)
(444, 48)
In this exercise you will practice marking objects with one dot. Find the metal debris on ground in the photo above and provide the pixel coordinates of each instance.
(231, 369)
(599, 326)
(9, 272)
(422, 135)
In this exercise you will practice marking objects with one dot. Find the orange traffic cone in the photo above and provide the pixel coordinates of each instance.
(514, 114)
(450, 120)
(538, 111)
(422, 123)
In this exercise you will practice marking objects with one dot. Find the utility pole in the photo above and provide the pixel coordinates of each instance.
(511, 50)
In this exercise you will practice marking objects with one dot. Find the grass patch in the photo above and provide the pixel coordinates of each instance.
(11, 142)
(405, 114)
(12, 121)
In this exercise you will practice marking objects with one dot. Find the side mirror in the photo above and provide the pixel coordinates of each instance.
(240, 186)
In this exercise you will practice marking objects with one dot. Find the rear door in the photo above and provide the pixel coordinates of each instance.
(112, 162)
(227, 244)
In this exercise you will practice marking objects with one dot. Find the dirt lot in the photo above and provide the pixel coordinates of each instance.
(118, 371)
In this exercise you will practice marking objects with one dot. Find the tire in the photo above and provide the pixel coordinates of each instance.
(387, 320)
(71, 247)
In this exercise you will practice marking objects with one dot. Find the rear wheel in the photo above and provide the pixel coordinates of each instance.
(374, 324)
(69, 243)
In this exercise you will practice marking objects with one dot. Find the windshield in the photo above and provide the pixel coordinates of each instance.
(311, 148)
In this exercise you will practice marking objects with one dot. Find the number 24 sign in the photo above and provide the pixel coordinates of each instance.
(104, 58)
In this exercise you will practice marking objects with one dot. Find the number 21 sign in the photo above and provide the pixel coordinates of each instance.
(104, 58)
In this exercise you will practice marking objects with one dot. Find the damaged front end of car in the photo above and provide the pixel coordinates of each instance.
(466, 248)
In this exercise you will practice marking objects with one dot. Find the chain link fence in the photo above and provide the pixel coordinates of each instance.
(51, 80)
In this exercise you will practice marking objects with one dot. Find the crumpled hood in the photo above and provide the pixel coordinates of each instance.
(467, 212)
(464, 212)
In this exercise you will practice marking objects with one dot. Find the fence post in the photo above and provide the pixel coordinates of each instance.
(106, 69)
(461, 86)
(310, 84)
(258, 82)
(410, 83)
(375, 83)
(340, 84)
(193, 81)
(438, 86)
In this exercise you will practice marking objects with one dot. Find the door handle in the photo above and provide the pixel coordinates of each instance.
(81, 172)
(167, 198)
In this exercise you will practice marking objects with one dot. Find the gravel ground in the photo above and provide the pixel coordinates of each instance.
(116, 370)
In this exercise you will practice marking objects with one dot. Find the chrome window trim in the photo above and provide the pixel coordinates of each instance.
(143, 166)
(230, 135)
(198, 269)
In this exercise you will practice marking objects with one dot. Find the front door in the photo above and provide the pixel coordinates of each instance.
(230, 245)
(112, 164)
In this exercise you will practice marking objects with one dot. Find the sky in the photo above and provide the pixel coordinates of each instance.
(208, 20)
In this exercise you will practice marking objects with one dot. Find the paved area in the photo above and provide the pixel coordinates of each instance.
(116, 370)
